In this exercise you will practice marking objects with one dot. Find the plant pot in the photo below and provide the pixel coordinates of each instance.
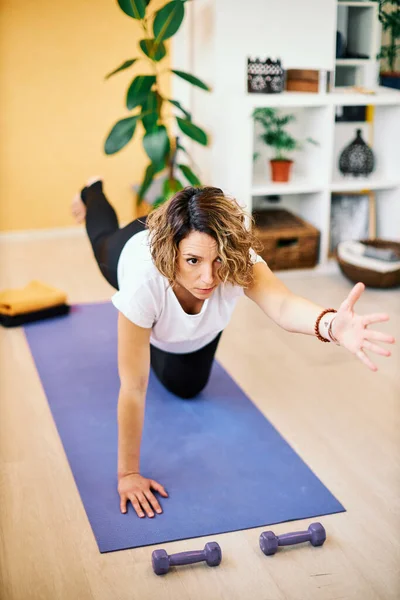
(390, 79)
(280, 170)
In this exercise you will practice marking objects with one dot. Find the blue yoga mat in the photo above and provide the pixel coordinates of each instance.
(223, 464)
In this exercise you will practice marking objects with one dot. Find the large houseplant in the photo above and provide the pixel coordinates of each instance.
(389, 16)
(147, 104)
(279, 140)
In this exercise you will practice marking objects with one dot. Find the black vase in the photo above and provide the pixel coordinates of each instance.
(357, 158)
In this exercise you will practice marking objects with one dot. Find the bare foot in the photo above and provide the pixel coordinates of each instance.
(93, 179)
(78, 208)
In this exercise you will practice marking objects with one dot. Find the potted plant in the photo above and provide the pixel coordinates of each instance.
(280, 140)
(389, 16)
(148, 106)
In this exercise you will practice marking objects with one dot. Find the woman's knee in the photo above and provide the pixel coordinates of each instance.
(184, 390)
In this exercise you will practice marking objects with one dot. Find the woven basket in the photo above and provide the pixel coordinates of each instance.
(367, 276)
(288, 241)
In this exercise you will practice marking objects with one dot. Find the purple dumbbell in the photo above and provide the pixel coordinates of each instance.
(162, 561)
(269, 542)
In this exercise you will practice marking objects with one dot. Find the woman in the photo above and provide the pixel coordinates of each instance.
(178, 277)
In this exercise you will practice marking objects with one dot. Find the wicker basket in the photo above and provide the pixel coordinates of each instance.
(367, 276)
(288, 241)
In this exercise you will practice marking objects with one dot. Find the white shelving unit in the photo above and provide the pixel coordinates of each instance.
(220, 37)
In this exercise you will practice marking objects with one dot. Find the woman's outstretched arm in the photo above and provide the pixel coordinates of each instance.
(299, 315)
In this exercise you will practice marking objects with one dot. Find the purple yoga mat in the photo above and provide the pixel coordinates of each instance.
(223, 464)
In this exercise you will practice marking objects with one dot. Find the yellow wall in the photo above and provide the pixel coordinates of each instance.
(56, 108)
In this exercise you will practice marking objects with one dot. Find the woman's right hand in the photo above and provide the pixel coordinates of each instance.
(137, 490)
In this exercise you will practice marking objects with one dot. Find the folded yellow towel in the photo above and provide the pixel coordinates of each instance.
(34, 296)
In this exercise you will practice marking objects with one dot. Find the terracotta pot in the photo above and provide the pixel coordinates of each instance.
(280, 170)
(390, 73)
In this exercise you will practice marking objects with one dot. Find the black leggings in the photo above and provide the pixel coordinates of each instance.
(182, 374)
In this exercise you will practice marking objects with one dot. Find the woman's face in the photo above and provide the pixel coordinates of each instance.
(198, 264)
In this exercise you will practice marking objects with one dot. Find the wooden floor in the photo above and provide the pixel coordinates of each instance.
(342, 419)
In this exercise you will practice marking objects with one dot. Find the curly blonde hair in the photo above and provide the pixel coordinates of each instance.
(207, 210)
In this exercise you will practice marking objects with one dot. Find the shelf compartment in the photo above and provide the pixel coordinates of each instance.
(309, 170)
(313, 207)
(382, 135)
(368, 215)
(349, 75)
(357, 23)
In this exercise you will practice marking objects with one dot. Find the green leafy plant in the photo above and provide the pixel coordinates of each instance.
(147, 104)
(275, 135)
(389, 16)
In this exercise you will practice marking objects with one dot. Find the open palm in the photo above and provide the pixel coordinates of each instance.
(351, 330)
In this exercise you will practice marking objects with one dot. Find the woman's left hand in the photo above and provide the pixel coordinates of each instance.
(351, 330)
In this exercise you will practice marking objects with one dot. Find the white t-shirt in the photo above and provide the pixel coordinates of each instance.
(146, 298)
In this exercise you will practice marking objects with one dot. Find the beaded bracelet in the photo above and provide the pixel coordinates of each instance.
(316, 326)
